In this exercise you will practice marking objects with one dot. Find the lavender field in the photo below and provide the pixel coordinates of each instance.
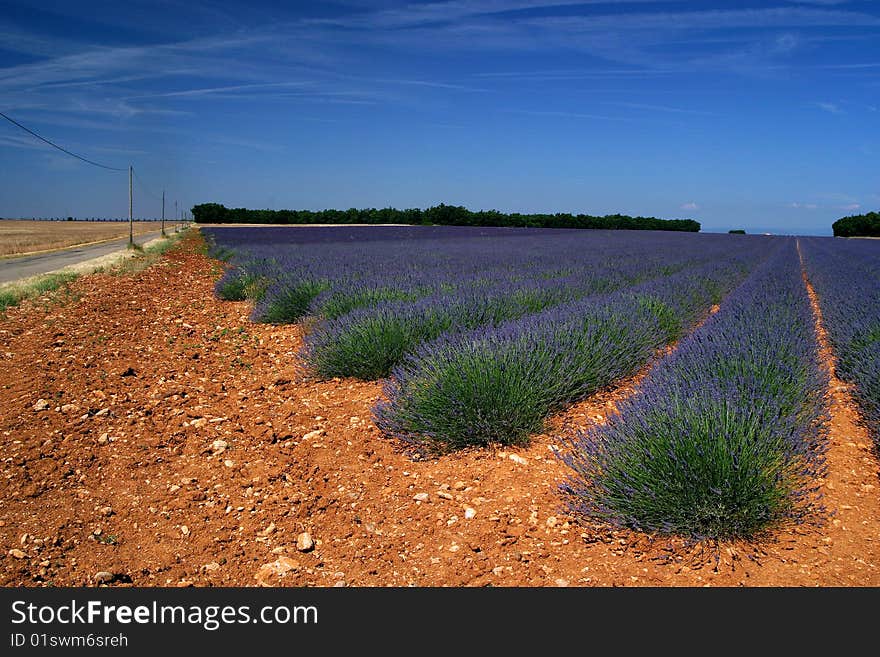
(480, 335)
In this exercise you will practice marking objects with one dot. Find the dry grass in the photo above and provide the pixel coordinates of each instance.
(18, 237)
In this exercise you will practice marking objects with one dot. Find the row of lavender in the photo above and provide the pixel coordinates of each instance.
(724, 438)
(292, 272)
(378, 299)
(846, 277)
(308, 272)
(497, 384)
(368, 342)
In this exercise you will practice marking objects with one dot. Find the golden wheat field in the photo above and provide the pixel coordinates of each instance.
(18, 237)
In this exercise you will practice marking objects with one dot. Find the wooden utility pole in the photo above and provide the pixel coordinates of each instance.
(130, 206)
(163, 213)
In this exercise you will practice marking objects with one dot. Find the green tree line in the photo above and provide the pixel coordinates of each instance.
(859, 225)
(448, 215)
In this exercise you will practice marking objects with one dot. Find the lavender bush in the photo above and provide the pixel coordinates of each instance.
(723, 439)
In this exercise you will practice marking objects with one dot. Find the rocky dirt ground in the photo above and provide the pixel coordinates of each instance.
(152, 436)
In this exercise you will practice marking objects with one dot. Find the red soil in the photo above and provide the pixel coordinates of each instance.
(122, 473)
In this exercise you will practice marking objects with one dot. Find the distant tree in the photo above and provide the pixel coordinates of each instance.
(860, 225)
(737, 231)
(442, 214)
(211, 213)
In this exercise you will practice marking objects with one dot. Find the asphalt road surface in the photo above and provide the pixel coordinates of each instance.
(12, 269)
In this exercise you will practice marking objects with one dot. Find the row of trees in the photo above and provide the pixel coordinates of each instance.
(859, 225)
(447, 215)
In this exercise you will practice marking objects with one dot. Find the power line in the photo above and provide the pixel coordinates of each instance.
(64, 150)
(143, 187)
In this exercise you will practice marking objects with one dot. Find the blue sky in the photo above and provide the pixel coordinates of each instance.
(757, 115)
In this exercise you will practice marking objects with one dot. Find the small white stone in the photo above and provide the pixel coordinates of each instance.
(304, 542)
(104, 577)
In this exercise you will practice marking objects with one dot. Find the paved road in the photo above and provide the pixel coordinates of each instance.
(12, 269)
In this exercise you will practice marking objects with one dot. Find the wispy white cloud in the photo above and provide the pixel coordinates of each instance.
(576, 74)
(819, 2)
(120, 151)
(28, 43)
(412, 15)
(803, 206)
(658, 108)
(435, 85)
(110, 83)
(641, 39)
(837, 197)
(568, 115)
(690, 205)
(851, 206)
(601, 74)
(786, 43)
(831, 108)
(336, 99)
(98, 82)
(217, 58)
(780, 17)
(850, 66)
(40, 117)
(469, 12)
(26, 142)
(647, 40)
(224, 90)
(247, 144)
(30, 143)
(234, 63)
